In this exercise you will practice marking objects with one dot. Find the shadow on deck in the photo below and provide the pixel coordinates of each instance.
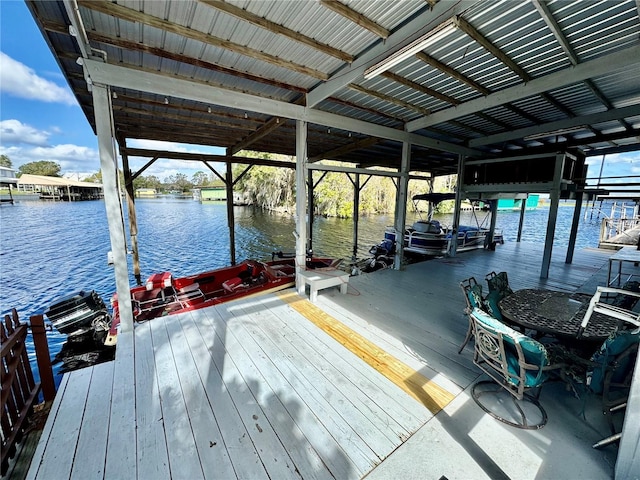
(258, 389)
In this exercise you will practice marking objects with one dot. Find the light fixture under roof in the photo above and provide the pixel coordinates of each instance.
(166, 101)
(414, 47)
(554, 133)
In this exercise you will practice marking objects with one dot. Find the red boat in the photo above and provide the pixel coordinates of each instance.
(162, 294)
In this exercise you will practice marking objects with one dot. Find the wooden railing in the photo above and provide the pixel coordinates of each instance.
(19, 389)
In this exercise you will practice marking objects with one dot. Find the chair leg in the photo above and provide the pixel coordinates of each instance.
(466, 339)
(499, 412)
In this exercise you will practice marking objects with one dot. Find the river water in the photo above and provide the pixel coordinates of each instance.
(51, 249)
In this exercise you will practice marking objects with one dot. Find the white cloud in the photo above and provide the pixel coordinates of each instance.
(71, 158)
(21, 81)
(15, 132)
(163, 168)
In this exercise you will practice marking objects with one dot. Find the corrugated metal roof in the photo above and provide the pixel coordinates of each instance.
(265, 48)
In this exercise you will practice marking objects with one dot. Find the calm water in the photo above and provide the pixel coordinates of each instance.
(49, 249)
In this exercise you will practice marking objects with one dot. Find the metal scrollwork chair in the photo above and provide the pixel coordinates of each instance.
(473, 298)
(517, 364)
(610, 369)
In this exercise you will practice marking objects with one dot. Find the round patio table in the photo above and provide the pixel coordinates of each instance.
(555, 313)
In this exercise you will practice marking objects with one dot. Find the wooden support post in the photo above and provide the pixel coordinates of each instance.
(311, 207)
(133, 220)
(301, 200)
(231, 220)
(356, 214)
(523, 208)
(453, 243)
(43, 357)
(553, 216)
(401, 204)
(574, 228)
(493, 204)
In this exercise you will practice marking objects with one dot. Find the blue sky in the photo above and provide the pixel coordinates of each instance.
(41, 120)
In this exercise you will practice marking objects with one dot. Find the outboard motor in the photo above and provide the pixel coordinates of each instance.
(80, 313)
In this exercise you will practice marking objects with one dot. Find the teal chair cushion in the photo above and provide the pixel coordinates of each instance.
(491, 304)
(475, 296)
(612, 347)
(534, 352)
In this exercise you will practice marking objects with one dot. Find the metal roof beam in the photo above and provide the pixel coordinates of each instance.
(418, 26)
(119, 76)
(630, 111)
(626, 58)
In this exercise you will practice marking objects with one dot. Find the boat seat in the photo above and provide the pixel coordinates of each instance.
(232, 285)
(189, 292)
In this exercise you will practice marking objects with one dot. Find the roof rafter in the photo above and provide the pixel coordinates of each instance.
(278, 29)
(626, 58)
(426, 20)
(355, 17)
(131, 15)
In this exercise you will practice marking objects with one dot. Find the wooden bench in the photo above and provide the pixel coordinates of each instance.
(319, 280)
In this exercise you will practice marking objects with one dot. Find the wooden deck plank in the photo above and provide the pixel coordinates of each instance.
(363, 458)
(305, 417)
(205, 345)
(151, 444)
(374, 385)
(323, 412)
(275, 416)
(214, 457)
(260, 327)
(183, 454)
(91, 452)
(377, 428)
(427, 392)
(57, 460)
(121, 453)
(45, 438)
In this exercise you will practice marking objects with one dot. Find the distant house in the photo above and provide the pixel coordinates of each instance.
(146, 192)
(57, 188)
(8, 180)
(213, 194)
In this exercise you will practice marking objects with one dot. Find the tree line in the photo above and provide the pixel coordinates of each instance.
(274, 188)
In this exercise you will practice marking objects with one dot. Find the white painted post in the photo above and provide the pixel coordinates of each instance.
(301, 202)
(628, 461)
(453, 243)
(109, 167)
(401, 204)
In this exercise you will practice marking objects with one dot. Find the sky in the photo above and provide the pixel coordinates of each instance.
(40, 118)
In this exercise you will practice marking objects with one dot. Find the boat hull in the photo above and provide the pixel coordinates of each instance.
(163, 295)
(437, 244)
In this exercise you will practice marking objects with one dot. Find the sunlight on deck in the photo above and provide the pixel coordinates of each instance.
(427, 392)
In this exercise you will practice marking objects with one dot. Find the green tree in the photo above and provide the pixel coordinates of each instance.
(95, 178)
(200, 179)
(179, 181)
(42, 167)
(5, 161)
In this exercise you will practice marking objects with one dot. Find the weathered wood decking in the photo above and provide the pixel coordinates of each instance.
(275, 387)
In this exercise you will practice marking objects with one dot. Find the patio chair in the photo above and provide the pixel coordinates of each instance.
(499, 288)
(609, 371)
(517, 364)
(473, 298)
